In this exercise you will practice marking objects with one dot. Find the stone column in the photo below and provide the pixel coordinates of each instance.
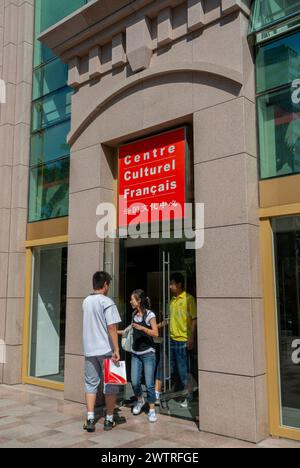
(16, 46)
(231, 328)
(91, 183)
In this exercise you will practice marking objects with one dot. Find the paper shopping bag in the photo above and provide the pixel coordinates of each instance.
(114, 374)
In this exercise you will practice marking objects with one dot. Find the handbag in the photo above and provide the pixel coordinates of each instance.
(114, 373)
(127, 340)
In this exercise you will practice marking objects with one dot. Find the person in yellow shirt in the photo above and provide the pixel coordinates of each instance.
(183, 330)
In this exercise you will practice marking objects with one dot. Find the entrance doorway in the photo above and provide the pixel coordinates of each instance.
(150, 265)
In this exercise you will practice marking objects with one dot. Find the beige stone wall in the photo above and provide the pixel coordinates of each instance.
(164, 64)
(16, 45)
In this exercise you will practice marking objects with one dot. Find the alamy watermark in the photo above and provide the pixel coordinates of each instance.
(2, 352)
(296, 92)
(142, 222)
(2, 92)
(296, 352)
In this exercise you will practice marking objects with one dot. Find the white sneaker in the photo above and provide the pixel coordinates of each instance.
(187, 402)
(137, 409)
(152, 417)
(184, 404)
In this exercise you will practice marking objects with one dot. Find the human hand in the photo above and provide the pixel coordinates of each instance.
(191, 344)
(116, 357)
(136, 326)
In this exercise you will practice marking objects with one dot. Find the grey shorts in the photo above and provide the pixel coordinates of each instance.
(93, 375)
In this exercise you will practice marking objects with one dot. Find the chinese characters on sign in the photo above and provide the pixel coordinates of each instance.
(152, 179)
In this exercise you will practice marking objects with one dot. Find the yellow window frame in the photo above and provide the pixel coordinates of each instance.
(270, 311)
(26, 379)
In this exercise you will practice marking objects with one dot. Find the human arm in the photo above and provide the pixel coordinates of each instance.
(163, 324)
(113, 334)
(192, 310)
(153, 332)
(191, 342)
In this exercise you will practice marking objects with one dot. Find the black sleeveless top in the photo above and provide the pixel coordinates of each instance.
(141, 341)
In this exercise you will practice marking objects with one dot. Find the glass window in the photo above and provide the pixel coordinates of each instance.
(50, 144)
(279, 133)
(47, 13)
(278, 63)
(51, 109)
(49, 191)
(287, 262)
(49, 78)
(267, 12)
(48, 314)
(52, 11)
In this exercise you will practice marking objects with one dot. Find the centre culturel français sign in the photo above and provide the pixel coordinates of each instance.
(152, 179)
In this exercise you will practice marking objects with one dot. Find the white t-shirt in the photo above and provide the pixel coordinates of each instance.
(98, 313)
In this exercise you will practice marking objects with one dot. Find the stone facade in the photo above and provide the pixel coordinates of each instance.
(146, 68)
(140, 68)
(16, 47)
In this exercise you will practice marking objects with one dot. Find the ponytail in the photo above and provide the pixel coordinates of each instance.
(145, 301)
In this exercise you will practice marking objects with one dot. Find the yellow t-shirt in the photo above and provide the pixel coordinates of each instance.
(183, 311)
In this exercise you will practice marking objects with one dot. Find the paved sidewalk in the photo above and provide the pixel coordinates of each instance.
(31, 417)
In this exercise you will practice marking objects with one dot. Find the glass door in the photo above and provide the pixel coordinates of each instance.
(178, 357)
(157, 266)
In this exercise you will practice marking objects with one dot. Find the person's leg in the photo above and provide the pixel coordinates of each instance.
(182, 364)
(90, 402)
(158, 372)
(136, 380)
(92, 382)
(110, 401)
(174, 364)
(111, 393)
(136, 375)
(112, 420)
(149, 361)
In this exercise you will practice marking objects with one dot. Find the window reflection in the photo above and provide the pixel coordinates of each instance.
(287, 261)
(49, 191)
(267, 12)
(279, 134)
(48, 314)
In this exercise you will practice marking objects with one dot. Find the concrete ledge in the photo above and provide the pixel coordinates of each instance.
(168, 69)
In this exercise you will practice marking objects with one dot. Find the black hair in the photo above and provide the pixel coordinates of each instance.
(99, 280)
(145, 301)
(178, 278)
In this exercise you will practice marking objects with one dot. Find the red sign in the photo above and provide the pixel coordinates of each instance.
(152, 179)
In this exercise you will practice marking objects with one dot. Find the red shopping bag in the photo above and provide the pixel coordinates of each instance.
(114, 374)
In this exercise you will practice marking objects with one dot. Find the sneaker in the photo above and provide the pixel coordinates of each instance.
(90, 426)
(187, 402)
(184, 404)
(118, 420)
(152, 417)
(157, 403)
(137, 409)
(109, 425)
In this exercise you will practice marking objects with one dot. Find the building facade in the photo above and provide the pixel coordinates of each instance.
(88, 82)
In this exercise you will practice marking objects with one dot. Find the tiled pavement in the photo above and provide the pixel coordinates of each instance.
(31, 417)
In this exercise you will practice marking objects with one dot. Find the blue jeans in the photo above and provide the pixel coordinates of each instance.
(147, 364)
(180, 362)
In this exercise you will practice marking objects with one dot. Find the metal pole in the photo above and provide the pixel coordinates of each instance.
(169, 334)
(164, 319)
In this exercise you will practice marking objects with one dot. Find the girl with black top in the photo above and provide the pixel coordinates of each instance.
(143, 357)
